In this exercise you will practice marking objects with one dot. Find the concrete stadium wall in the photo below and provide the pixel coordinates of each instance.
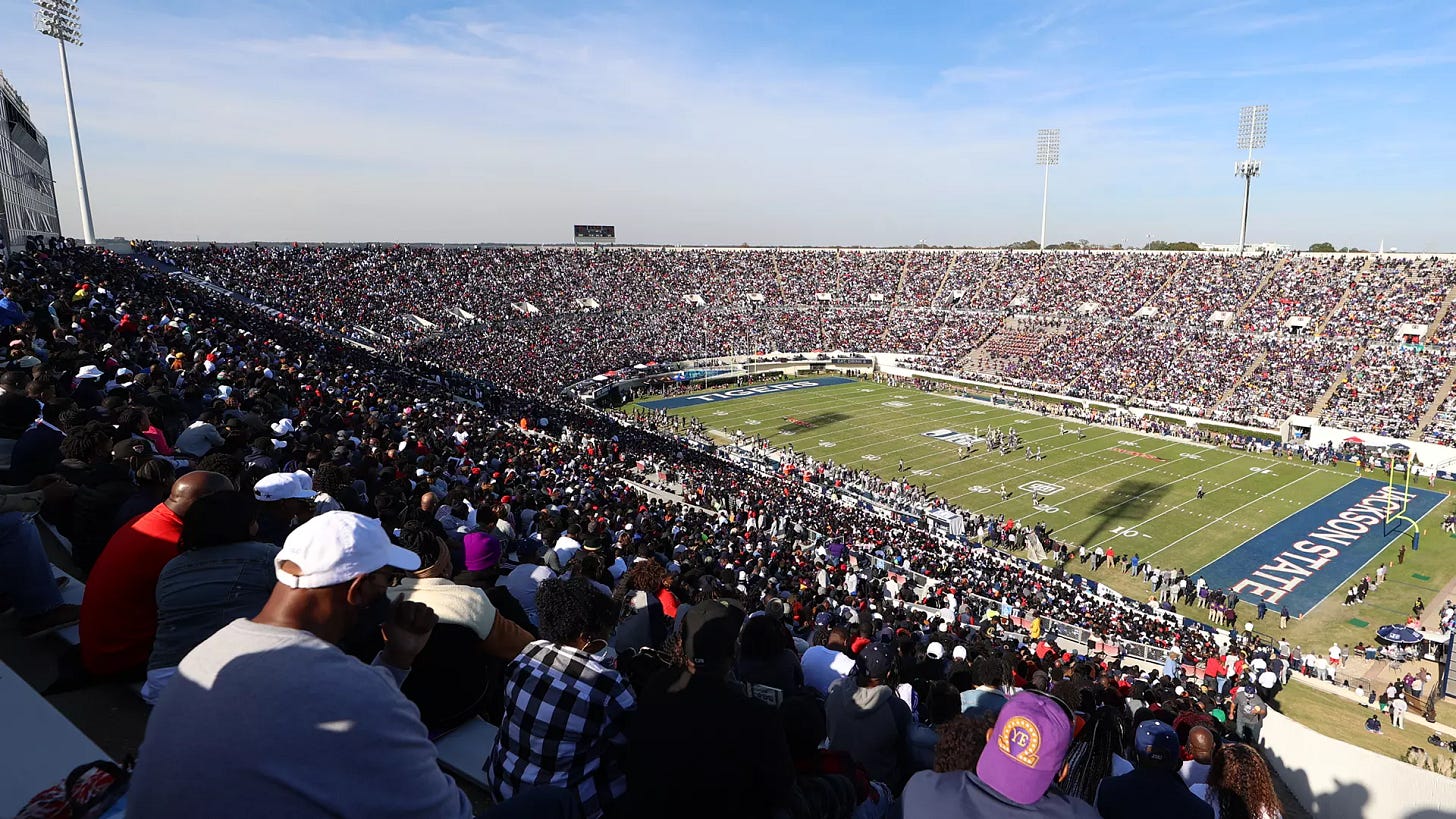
(1336, 780)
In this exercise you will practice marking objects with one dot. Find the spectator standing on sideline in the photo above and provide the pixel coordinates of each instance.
(269, 718)
(1249, 712)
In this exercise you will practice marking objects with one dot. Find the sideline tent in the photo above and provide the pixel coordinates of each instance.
(1399, 635)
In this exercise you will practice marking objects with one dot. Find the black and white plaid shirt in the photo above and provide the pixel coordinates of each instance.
(564, 725)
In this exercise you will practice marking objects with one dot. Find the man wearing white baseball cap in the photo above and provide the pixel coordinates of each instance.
(269, 718)
(285, 500)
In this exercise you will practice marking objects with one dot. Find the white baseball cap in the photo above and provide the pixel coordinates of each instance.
(337, 547)
(280, 486)
(959, 652)
(935, 651)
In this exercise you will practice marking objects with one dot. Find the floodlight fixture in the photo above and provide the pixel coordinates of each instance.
(1048, 153)
(1253, 127)
(58, 19)
(61, 20)
(1253, 133)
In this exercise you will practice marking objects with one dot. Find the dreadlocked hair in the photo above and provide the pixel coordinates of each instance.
(83, 444)
(418, 538)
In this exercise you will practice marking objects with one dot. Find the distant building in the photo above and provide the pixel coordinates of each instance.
(27, 189)
(1261, 247)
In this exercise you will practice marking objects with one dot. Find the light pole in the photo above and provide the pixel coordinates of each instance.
(61, 20)
(1253, 133)
(1048, 153)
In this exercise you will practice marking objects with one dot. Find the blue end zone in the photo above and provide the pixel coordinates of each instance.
(746, 392)
(1313, 552)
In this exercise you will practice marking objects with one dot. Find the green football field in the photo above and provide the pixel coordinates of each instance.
(1134, 492)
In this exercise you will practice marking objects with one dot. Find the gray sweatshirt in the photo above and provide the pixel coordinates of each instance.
(269, 721)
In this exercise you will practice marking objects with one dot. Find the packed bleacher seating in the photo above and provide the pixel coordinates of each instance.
(1103, 326)
(316, 558)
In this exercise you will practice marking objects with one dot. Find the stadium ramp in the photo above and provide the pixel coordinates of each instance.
(944, 279)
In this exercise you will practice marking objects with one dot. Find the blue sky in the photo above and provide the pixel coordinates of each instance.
(770, 123)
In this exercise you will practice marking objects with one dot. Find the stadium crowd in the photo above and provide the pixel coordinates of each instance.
(316, 558)
(1247, 340)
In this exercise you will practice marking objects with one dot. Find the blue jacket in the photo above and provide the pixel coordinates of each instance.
(1147, 792)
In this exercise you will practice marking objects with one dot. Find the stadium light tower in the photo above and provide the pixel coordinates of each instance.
(1253, 133)
(1048, 153)
(61, 20)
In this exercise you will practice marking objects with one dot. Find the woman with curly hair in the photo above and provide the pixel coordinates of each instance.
(647, 623)
(961, 742)
(650, 579)
(1239, 785)
(565, 709)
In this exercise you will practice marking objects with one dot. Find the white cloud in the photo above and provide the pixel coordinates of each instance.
(466, 126)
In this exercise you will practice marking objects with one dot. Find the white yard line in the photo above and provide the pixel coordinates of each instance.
(1107, 463)
(1276, 523)
(1259, 499)
(1105, 510)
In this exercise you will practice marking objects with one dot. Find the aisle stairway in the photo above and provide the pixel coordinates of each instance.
(1340, 378)
(895, 297)
(945, 279)
(1248, 371)
(1436, 404)
(1173, 275)
(1345, 296)
(977, 289)
(1440, 315)
(1276, 270)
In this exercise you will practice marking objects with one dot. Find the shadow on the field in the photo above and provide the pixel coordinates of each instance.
(1121, 509)
(818, 420)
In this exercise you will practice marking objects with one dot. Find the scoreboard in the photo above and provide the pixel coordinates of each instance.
(596, 234)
